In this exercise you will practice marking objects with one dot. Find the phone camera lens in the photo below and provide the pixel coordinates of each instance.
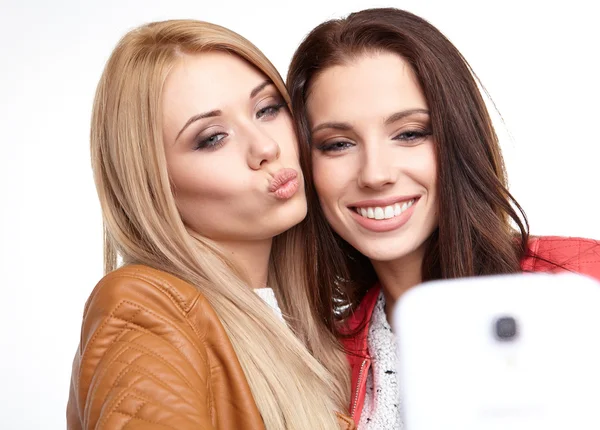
(505, 328)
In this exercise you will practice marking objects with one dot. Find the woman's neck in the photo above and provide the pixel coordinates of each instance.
(397, 276)
(252, 257)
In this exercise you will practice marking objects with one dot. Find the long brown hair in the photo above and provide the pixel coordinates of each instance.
(292, 389)
(476, 210)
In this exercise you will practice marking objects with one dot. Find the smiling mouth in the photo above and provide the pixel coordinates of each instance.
(384, 212)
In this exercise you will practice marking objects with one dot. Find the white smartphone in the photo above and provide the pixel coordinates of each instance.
(501, 352)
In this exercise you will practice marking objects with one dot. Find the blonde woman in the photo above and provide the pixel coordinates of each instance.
(196, 166)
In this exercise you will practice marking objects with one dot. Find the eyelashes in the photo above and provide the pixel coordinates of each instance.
(215, 140)
(270, 111)
(212, 142)
(413, 135)
(407, 138)
(337, 146)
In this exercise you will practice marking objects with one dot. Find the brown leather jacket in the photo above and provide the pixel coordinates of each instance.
(154, 355)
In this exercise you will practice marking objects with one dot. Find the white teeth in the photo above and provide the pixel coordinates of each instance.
(386, 212)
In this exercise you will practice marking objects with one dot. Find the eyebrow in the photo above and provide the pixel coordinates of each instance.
(344, 126)
(218, 112)
(195, 118)
(403, 114)
(260, 87)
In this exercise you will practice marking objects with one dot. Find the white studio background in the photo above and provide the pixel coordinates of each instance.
(538, 60)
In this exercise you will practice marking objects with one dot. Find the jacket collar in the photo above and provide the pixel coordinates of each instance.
(357, 349)
(357, 345)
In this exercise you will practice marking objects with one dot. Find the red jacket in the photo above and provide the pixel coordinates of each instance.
(574, 254)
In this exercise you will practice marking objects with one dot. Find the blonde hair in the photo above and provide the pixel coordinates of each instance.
(292, 389)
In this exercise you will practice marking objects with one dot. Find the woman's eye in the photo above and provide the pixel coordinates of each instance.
(214, 141)
(412, 136)
(335, 146)
(269, 111)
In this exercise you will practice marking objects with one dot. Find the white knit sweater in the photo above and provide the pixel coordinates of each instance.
(382, 407)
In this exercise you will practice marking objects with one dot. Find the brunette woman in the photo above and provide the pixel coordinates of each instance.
(406, 183)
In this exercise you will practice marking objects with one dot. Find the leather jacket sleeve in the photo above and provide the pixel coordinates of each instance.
(140, 363)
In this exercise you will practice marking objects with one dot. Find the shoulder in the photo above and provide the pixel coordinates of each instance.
(141, 303)
(142, 285)
(142, 299)
(137, 347)
(555, 253)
